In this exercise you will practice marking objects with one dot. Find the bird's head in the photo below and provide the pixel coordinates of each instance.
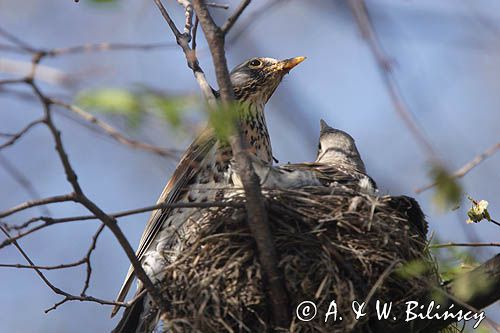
(257, 78)
(337, 147)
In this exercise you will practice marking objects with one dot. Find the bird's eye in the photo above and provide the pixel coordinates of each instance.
(255, 63)
(319, 146)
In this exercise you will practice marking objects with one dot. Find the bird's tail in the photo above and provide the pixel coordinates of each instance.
(140, 317)
(131, 317)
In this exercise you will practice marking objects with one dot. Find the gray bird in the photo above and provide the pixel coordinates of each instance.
(338, 162)
(201, 175)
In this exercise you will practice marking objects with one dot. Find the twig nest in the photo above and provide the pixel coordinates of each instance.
(334, 244)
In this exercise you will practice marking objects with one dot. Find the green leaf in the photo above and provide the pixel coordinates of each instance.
(113, 100)
(170, 108)
(464, 288)
(224, 120)
(109, 100)
(454, 261)
(448, 191)
(412, 269)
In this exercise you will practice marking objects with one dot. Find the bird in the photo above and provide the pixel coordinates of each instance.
(338, 162)
(204, 166)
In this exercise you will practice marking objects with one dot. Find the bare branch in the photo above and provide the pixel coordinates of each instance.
(189, 16)
(437, 246)
(106, 46)
(19, 134)
(112, 132)
(232, 19)
(23, 181)
(217, 5)
(169, 20)
(360, 13)
(190, 54)
(13, 81)
(49, 221)
(255, 208)
(468, 166)
(489, 274)
(56, 290)
(80, 197)
(38, 202)
(195, 31)
(45, 73)
(87, 258)
(17, 41)
(252, 17)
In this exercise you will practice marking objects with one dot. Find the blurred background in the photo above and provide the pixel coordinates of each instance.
(446, 62)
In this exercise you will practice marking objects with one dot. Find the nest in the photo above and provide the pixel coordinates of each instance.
(333, 244)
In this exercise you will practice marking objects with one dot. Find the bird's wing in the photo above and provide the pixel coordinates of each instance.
(183, 174)
(327, 172)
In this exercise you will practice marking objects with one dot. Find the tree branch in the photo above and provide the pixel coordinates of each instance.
(56, 290)
(190, 54)
(437, 246)
(255, 208)
(38, 202)
(80, 197)
(19, 134)
(467, 167)
(489, 275)
(360, 13)
(23, 181)
(112, 132)
(232, 19)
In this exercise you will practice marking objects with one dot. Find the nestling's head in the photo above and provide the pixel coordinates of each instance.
(257, 78)
(336, 147)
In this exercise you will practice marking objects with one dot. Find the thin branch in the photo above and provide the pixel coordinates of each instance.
(23, 181)
(188, 10)
(45, 73)
(489, 275)
(106, 46)
(13, 81)
(461, 172)
(195, 31)
(451, 244)
(232, 19)
(251, 18)
(49, 221)
(19, 134)
(12, 49)
(48, 268)
(56, 290)
(114, 133)
(110, 222)
(217, 5)
(87, 258)
(38, 202)
(255, 208)
(361, 15)
(17, 41)
(190, 54)
(169, 20)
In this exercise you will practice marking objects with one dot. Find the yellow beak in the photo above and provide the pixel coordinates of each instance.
(288, 64)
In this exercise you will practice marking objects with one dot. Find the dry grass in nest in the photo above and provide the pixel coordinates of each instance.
(332, 246)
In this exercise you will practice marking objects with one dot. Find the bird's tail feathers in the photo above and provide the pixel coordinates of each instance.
(131, 317)
(124, 290)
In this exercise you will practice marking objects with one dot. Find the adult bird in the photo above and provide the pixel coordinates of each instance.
(205, 166)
